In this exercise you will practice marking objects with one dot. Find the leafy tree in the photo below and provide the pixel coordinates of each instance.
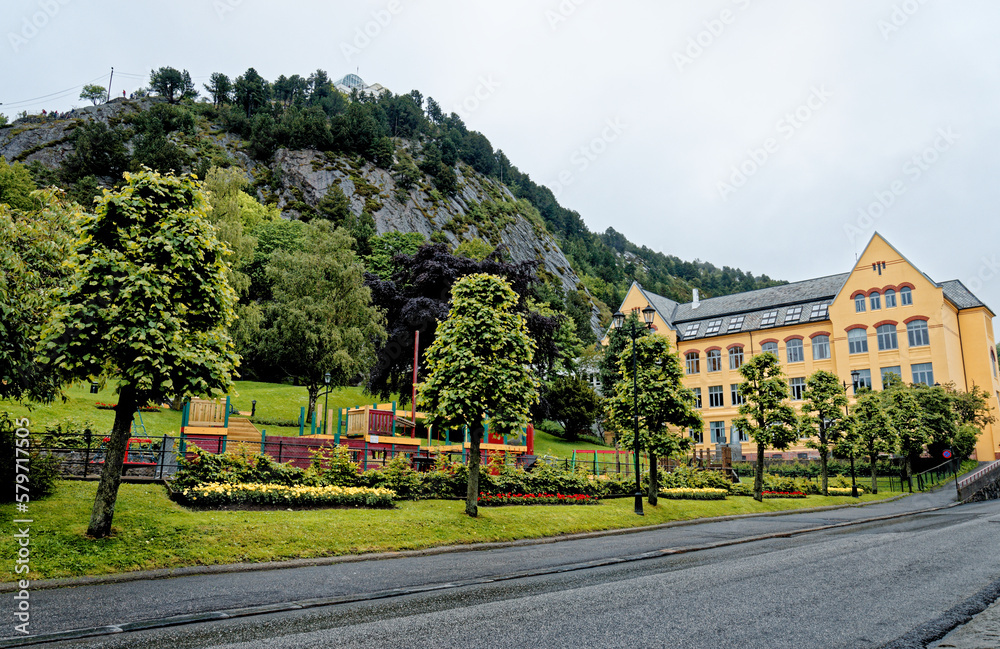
(826, 397)
(16, 186)
(171, 83)
(335, 206)
(148, 303)
(871, 430)
(434, 111)
(321, 319)
(357, 131)
(575, 405)
(478, 367)
(903, 409)
(972, 414)
(94, 94)
(262, 140)
(220, 88)
(936, 410)
(386, 246)
(765, 416)
(251, 92)
(98, 150)
(662, 401)
(618, 342)
(474, 249)
(3, 120)
(34, 243)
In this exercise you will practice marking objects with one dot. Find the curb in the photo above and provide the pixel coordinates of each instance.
(169, 573)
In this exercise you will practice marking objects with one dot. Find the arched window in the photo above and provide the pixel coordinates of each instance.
(916, 331)
(859, 304)
(890, 298)
(713, 360)
(793, 350)
(821, 347)
(770, 347)
(905, 296)
(876, 301)
(735, 358)
(857, 341)
(887, 337)
(692, 363)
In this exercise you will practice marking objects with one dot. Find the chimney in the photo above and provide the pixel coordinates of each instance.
(695, 302)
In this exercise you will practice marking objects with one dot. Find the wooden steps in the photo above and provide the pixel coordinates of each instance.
(241, 430)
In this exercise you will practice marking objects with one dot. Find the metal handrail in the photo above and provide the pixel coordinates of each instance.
(978, 473)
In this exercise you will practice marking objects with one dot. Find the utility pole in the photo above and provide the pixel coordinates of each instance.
(109, 84)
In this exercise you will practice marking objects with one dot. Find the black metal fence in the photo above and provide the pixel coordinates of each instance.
(82, 456)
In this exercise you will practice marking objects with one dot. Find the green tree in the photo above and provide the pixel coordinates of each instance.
(386, 246)
(872, 431)
(171, 83)
(474, 249)
(765, 415)
(972, 414)
(148, 303)
(618, 341)
(574, 404)
(662, 401)
(479, 366)
(94, 94)
(220, 88)
(16, 186)
(251, 92)
(901, 405)
(321, 319)
(824, 419)
(33, 246)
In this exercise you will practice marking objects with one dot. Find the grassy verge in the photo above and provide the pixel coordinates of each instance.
(150, 531)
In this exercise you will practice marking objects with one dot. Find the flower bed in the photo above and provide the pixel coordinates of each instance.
(496, 500)
(783, 494)
(222, 494)
(112, 406)
(844, 491)
(683, 493)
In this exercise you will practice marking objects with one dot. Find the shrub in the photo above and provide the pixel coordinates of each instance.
(740, 489)
(242, 466)
(43, 468)
(274, 494)
(333, 466)
(689, 477)
(396, 475)
(496, 500)
(844, 491)
(68, 433)
(784, 494)
(685, 493)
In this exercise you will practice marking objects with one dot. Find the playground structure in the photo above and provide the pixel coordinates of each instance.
(203, 418)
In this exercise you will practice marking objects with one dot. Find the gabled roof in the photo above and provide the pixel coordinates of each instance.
(956, 293)
(810, 290)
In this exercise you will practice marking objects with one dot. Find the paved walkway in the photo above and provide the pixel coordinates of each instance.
(981, 632)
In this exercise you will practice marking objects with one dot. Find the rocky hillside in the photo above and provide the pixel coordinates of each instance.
(297, 180)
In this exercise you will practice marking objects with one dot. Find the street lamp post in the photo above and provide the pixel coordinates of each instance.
(855, 375)
(326, 400)
(618, 321)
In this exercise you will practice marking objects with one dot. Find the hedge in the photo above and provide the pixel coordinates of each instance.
(694, 494)
(218, 493)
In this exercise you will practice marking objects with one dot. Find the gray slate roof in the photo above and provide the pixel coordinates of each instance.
(956, 293)
(810, 290)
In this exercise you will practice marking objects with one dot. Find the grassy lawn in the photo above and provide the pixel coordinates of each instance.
(150, 531)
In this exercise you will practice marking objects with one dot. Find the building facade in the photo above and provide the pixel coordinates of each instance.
(883, 316)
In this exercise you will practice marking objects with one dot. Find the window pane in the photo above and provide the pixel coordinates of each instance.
(876, 301)
(793, 350)
(692, 363)
(923, 373)
(769, 318)
(890, 299)
(887, 337)
(886, 371)
(697, 397)
(917, 333)
(821, 347)
(798, 388)
(718, 431)
(905, 296)
(864, 380)
(859, 304)
(715, 397)
(735, 358)
(770, 347)
(857, 341)
(734, 395)
(713, 360)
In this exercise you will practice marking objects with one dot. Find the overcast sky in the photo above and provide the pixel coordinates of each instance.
(759, 134)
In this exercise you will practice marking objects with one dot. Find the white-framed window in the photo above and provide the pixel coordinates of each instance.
(770, 347)
(857, 341)
(713, 360)
(886, 371)
(692, 363)
(821, 347)
(717, 429)
(716, 398)
(859, 304)
(713, 327)
(697, 397)
(793, 350)
(769, 318)
(736, 324)
(890, 298)
(793, 315)
(820, 311)
(887, 337)
(917, 333)
(736, 432)
(864, 380)
(734, 394)
(798, 388)
(697, 435)
(735, 358)
(905, 296)
(923, 373)
(692, 330)
(875, 300)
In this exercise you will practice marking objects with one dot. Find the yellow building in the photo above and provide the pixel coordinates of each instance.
(883, 316)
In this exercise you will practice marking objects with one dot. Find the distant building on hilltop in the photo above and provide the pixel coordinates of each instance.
(884, 316)
(351, 82)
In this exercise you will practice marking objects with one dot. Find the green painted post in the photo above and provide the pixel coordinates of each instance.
(183, 444)
(393, 418)
(595, 463)
(263, 440)
(224, 440)
(312, 424)
(336, 437)
(302, 421)
(185, 414)
(365, 465)
(574, 460)
(226, 423)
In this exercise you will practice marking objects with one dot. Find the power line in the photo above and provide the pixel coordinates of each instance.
(50, 95)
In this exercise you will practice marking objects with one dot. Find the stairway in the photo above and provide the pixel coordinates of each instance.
(241, 430)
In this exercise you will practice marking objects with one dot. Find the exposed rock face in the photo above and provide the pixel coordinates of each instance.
(298, 180)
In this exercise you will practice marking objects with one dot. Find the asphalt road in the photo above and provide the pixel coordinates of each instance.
(859, 586)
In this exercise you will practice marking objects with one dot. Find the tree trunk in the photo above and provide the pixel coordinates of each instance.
(111, 475)
(472, 489)
(874, 459)
(758, 480)
(909, 471)
(654, 479)
(313, 397)
(823, 471)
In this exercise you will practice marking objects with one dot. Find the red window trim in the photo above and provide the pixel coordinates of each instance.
(907, 285)
(855, 294)
(885, 322)
(856, 326)
(873, 290)
(916, 317)
(735, 345)
(769, 340)
(795, 337)
(712, 349)
(820, 333)
(692, 351)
